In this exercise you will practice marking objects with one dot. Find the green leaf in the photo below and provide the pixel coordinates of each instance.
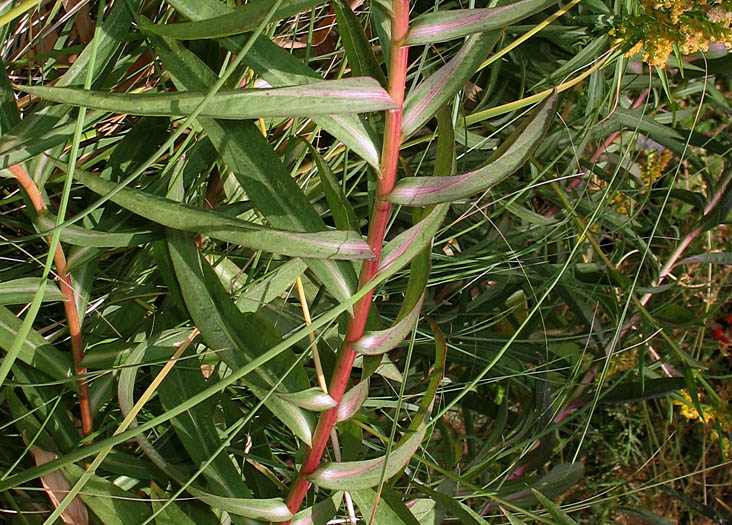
(408, 244)
(237, 338)
(348, 95)
(423, 102)
(365, 499)
(35, 351)
(313, 399)
(343, 214)
(645, 516)
(457, 508)
(707, 258)
(356, 475)
(554, 509)
(111, 504)
(352, 401)
(240, 20)
(196, 428)
(513, 153)
(268, 509)
(381, 341)
(171, 514)
(643, 390)
(359, 53)
(279, 68)
(9, 115)
(271, 287)
(166, 212)
(448, 25)
(319, 514)
(22, 290)
(80, 236)
(257, 168)
(558, 481)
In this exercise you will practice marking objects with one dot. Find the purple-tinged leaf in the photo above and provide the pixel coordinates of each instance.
(313, 399)
(321, 513)
(381, 341)
(510, 156)
(348, 95)
(448, 25)
(405, 246)
(424, 101)
(357, 475)
(352, 401)
(329, 244)
(272, 509)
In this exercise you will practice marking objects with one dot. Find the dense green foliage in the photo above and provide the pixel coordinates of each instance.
(541, 339)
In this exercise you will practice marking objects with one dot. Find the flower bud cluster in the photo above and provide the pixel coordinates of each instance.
(687, 26)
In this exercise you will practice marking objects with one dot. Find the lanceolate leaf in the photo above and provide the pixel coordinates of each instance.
(381, 341)
(321, 513)
(80, 236)
(20, 291)
(240, 20)
(256, 167)
(349, 95)
(237, 338)
(36, 351)
(280, 68)
(355, 475)
(405, 246)
(423, 102)
(110, 503)
(559, 480)
(421, 191)
(358, 49)
(353, 400)
(166, 212)
(263, 292)
(313, 399)
(447, 25)
(268, 509)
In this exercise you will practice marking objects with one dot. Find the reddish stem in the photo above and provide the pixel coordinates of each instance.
(72, 314)
(377, 230)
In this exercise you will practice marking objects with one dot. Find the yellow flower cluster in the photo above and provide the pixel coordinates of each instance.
(723, 417)
(687, 25)
(656, 164)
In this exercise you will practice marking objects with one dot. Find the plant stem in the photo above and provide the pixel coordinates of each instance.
(72, 314)
(377, 230)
